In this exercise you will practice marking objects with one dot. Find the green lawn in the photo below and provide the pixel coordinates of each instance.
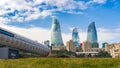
(61, 63)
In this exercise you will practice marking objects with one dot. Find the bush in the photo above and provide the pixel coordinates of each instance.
(103, 54)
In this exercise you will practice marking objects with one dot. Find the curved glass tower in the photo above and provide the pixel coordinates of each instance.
(56, 38)
(75, 37)
(92, 35)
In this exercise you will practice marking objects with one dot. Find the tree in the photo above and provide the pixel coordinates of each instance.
(103, 54)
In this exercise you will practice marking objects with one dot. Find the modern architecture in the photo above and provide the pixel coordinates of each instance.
(75, 37)
(92, 35)
(56, 37)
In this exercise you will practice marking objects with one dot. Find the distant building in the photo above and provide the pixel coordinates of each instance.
(113, 49)
(87, 47)
(56, 37)
(75, 37)
(70, 46)
(92, 35)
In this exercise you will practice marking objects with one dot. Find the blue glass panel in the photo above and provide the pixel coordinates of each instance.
(56, 37)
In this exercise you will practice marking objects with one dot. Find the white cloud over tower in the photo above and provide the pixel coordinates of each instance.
(26, 10)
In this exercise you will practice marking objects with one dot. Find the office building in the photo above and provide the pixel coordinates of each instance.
(92, 35)
(56, 37)
(75, 37)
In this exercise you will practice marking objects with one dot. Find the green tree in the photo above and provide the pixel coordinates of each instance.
(103, 54)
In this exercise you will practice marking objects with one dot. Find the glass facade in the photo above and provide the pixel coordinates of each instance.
(92, 33)
(56, 38)
(75, 37)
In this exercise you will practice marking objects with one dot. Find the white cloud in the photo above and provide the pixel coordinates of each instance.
(66, 37)
(96, 1)
(73, 12)
(25, 10)
(108, 35)
(99, 1)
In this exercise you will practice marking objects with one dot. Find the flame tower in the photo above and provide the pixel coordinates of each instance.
(75, 37)
(92, 35)
(56, 38)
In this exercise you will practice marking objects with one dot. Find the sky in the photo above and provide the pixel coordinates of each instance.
(32, 18)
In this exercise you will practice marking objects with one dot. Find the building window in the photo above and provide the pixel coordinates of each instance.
(39, 49)
(25, 46)
(12, 41)
(28, 46)
(8, 39)
(16, 43)
(21, 43)
(116, 50)
(2, 38)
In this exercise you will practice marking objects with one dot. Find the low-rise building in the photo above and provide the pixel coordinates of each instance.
(87, 47)
(113, 49)
(70, 46)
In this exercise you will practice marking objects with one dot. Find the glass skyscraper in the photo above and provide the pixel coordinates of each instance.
(75, 37)
(56, 38)
(92, 35)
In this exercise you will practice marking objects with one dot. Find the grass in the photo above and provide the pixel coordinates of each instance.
(61, 63)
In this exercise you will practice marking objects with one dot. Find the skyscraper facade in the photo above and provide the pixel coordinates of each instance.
(56, 38)
(75, 37)
(92, 35)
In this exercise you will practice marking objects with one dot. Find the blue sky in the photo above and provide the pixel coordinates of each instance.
(32, 18)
